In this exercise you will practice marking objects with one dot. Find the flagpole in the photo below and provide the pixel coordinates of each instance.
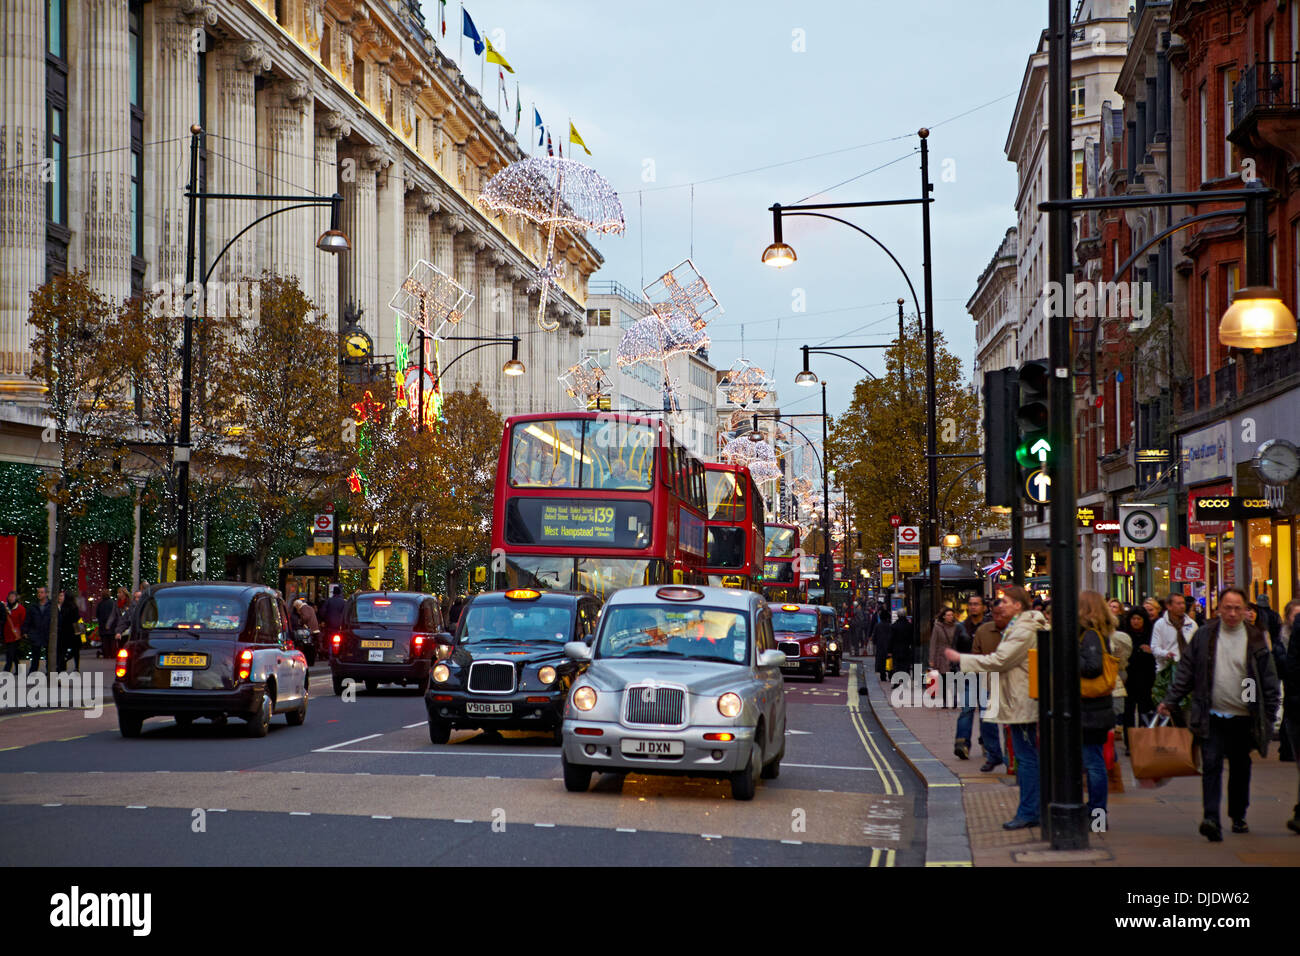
(460, 54)
(533, 103)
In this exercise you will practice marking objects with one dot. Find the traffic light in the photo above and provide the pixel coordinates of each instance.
(1033, 445)
(1000, 437)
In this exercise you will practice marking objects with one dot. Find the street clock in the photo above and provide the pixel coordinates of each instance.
(1277, 462)
(357, 345)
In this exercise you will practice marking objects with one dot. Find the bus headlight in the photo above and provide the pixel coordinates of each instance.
(584, 698)
(546, 675)
(730, 705)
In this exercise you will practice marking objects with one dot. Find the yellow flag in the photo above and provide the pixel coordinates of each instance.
(494, 57)
(575, 138)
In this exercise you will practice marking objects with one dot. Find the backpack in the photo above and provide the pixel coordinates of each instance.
(1104, 683)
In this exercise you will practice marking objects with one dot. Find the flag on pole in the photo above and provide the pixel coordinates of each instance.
(505, 94)
(575, 138)
(468, 29)
(1000, 566)
(519, 109)
(442, 15)
(550, 150)
(559, 144)
(537, 125)
(494, 57)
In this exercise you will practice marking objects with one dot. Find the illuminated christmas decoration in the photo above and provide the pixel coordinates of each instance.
(411, 393)
(746, 384)
(554, 193)
(354, 482)
(367, 409)
(584, 381)
(430, 299)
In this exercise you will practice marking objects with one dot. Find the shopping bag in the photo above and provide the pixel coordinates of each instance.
(1114, 773)
(1161, 752)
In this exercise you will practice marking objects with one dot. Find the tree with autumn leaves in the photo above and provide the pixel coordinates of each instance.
(878, 446)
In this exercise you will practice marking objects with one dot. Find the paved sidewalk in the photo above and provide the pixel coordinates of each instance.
(1147, 827)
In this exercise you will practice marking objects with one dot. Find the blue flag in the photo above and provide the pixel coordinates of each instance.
(471, 31)
(537, 124)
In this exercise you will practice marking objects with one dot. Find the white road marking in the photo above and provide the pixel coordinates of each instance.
(491, 777)
(711, 836)
(790, 732)
(825, 766)
(463, 821)
(137, 807)
(409, 726)
(543, 824)
(626, 830)
(554, 755)
(51, 804)
(299, 813)
(216, 809)
(344, 743)
(793, 842)
(379, 816)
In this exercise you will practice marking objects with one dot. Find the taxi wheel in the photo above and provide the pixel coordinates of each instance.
(296, 717)
(773, 770)
(184, 721)
(819, 674)
(259, 722)
(439, 731)
(423, 686)
(310, 654)
(836, 672)
(557, 735)
(744, 783)
(338, 686)
(372, 686)
(577, 779)
(129, 724)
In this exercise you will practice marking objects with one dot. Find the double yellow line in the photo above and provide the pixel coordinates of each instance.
(888, 778)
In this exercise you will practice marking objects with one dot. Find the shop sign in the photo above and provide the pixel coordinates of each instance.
(1105, 527)
(1206, 527)
(1233, 508)
(1186, 565)
(1207, 454)
(1086, 517)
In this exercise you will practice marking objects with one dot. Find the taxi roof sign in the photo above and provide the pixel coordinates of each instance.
(523, 594)
(679, 593)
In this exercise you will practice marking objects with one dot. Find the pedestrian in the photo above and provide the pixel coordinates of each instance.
(69, 639)
(880, 628)
(1289, 615)
(1140, 675)
(963, 641)
(1116, 607)
(1269, 619)
(307, 621)
(334, 609)
(37, 625)
(943, 636)
(857, 630)
(1153, 608)
(103, 613)
(15, 614)
(1229, 672)
(985, 641)
(456, 607)
(901, 642)
(1291, 675)
(1098, 677)
(1009, 700)
(1170, 632)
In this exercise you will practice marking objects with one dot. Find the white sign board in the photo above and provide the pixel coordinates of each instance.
(1207, 454)
(1142, 526)
(324, 524)
(909, 534)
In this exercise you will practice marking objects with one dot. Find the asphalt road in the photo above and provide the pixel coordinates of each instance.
(359, 783)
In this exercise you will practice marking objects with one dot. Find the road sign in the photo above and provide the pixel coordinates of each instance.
(895, 521)
(324, 524)
(909, 561)
(1038, 487)
(886, 579)
(911, 534)
(886, 564)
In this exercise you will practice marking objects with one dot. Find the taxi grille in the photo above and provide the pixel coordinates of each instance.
(490, 677)
(663, 707)
(788, 648)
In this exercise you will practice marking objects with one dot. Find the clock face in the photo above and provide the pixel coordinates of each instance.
(1277, 462)
(357, 345)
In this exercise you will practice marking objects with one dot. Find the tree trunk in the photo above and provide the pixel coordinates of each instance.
(60, 536)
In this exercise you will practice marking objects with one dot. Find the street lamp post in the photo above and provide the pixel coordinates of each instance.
(333, 241)
(779, 254)
(757, 435)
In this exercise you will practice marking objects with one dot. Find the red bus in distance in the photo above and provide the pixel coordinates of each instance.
(782, 553)
(596, 501)
(735, 524)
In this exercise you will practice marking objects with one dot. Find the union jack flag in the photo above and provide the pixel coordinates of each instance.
(1001, 565)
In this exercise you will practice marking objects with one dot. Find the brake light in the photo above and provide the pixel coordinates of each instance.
(418, 640)
(380, 602)
(122, 656)
(336, 641)
(245, 664)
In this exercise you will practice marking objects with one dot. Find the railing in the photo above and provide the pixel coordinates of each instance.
(1225, 382)
(1187, 395)
(612, 287)
(1203, 392)
(1267, 85)
(1270, 366)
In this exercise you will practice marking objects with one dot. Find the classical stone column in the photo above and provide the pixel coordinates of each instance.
(330, 128)
(360, 275)
(106, 86)
(233, 159)
(533, 379)
(292, 235)
(465, 274)
(174, 109)
(22, 193)
(391, 266)
(419, 205)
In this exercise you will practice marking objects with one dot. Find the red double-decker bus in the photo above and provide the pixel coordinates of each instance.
(596, 501)
(735, 525)
(781, 579)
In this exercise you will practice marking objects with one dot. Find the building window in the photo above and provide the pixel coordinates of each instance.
(137, 60)
(598, 317)
(56, 188)
(1078, 96)
(601, 356)
(1229, 79)
(56, 28)
(1205, 323)
(137, 203)
(1205, 139)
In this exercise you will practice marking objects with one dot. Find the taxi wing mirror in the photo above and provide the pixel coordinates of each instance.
(771, 659)
(577, 650)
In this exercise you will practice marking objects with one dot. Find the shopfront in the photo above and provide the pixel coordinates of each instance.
(1207, 456)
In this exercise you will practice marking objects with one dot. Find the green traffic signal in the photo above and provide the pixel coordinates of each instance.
(1033, 451)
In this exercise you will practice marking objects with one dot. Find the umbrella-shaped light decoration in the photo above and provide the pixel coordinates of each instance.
(554, 193)
(584, 381)
(430, 299)
(746, 384)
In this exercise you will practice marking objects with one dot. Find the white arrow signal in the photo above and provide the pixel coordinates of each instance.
(1042, 484)
(1041, 448)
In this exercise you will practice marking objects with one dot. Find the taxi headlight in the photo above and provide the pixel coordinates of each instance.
(730, 705)
(815, 649)
(440, 673)
(584, 698)
(546, 675)
(832, 646)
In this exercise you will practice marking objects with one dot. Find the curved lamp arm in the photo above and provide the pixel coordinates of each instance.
(812, 351)
(274, 212)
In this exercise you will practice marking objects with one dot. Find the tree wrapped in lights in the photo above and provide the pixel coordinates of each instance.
(554, 193)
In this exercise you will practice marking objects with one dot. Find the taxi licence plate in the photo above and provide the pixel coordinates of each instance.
(182, 678)
(377, 644)
(653, 748)
(790, 666)
(183, 660)
(476, 707)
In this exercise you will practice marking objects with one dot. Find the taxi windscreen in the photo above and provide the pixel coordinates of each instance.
(794, 622)
(388, 611)
(691, 633)
(516, 621)
(216, 614)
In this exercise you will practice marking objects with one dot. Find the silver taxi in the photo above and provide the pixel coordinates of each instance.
(682, 680)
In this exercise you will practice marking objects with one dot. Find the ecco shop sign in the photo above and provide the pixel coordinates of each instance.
(1233, 508)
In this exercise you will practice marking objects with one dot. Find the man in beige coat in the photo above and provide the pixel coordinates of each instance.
(1009, 700)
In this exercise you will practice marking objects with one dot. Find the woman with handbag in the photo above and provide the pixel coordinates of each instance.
(1098, 671)
(943, 637)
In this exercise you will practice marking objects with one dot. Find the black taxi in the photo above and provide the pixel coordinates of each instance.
(388, 637)
(210, 649)
(803, 635)
(835, 639)
(507, 667)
